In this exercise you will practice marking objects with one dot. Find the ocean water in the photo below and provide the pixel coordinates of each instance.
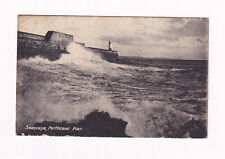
(156, 97)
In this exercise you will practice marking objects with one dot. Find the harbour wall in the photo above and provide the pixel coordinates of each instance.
(52, 45)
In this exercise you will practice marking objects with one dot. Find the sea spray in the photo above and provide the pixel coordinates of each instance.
(82, 58)
(86, 60)
(149, 98)
(40, 98)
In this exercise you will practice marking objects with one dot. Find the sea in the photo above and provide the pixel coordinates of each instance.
(157, 97)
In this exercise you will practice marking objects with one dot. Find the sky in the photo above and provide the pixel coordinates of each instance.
(177, 38)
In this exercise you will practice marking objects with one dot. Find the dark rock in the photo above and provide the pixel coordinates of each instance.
(101, 124)
(195, 128)
(192, 129)
(98, 124)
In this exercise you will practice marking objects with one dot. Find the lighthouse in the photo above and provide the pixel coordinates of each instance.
(110, 43)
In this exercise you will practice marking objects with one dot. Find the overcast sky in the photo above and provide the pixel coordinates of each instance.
(182, 38)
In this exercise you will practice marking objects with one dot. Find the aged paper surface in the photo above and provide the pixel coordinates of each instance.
(112, 76)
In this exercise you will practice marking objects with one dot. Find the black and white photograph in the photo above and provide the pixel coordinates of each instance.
(112, 76)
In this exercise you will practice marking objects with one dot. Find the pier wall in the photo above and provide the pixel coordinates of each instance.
(52, 45)
(31, 45)
(60, 39)
(30, 36)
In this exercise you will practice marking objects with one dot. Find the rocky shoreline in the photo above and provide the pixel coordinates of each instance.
(95, 124)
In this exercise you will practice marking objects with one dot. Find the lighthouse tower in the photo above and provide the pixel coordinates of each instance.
(110, 43)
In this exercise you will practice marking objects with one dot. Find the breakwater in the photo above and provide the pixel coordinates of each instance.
(52, 45)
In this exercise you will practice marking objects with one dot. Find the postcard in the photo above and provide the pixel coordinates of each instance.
(99, 76)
